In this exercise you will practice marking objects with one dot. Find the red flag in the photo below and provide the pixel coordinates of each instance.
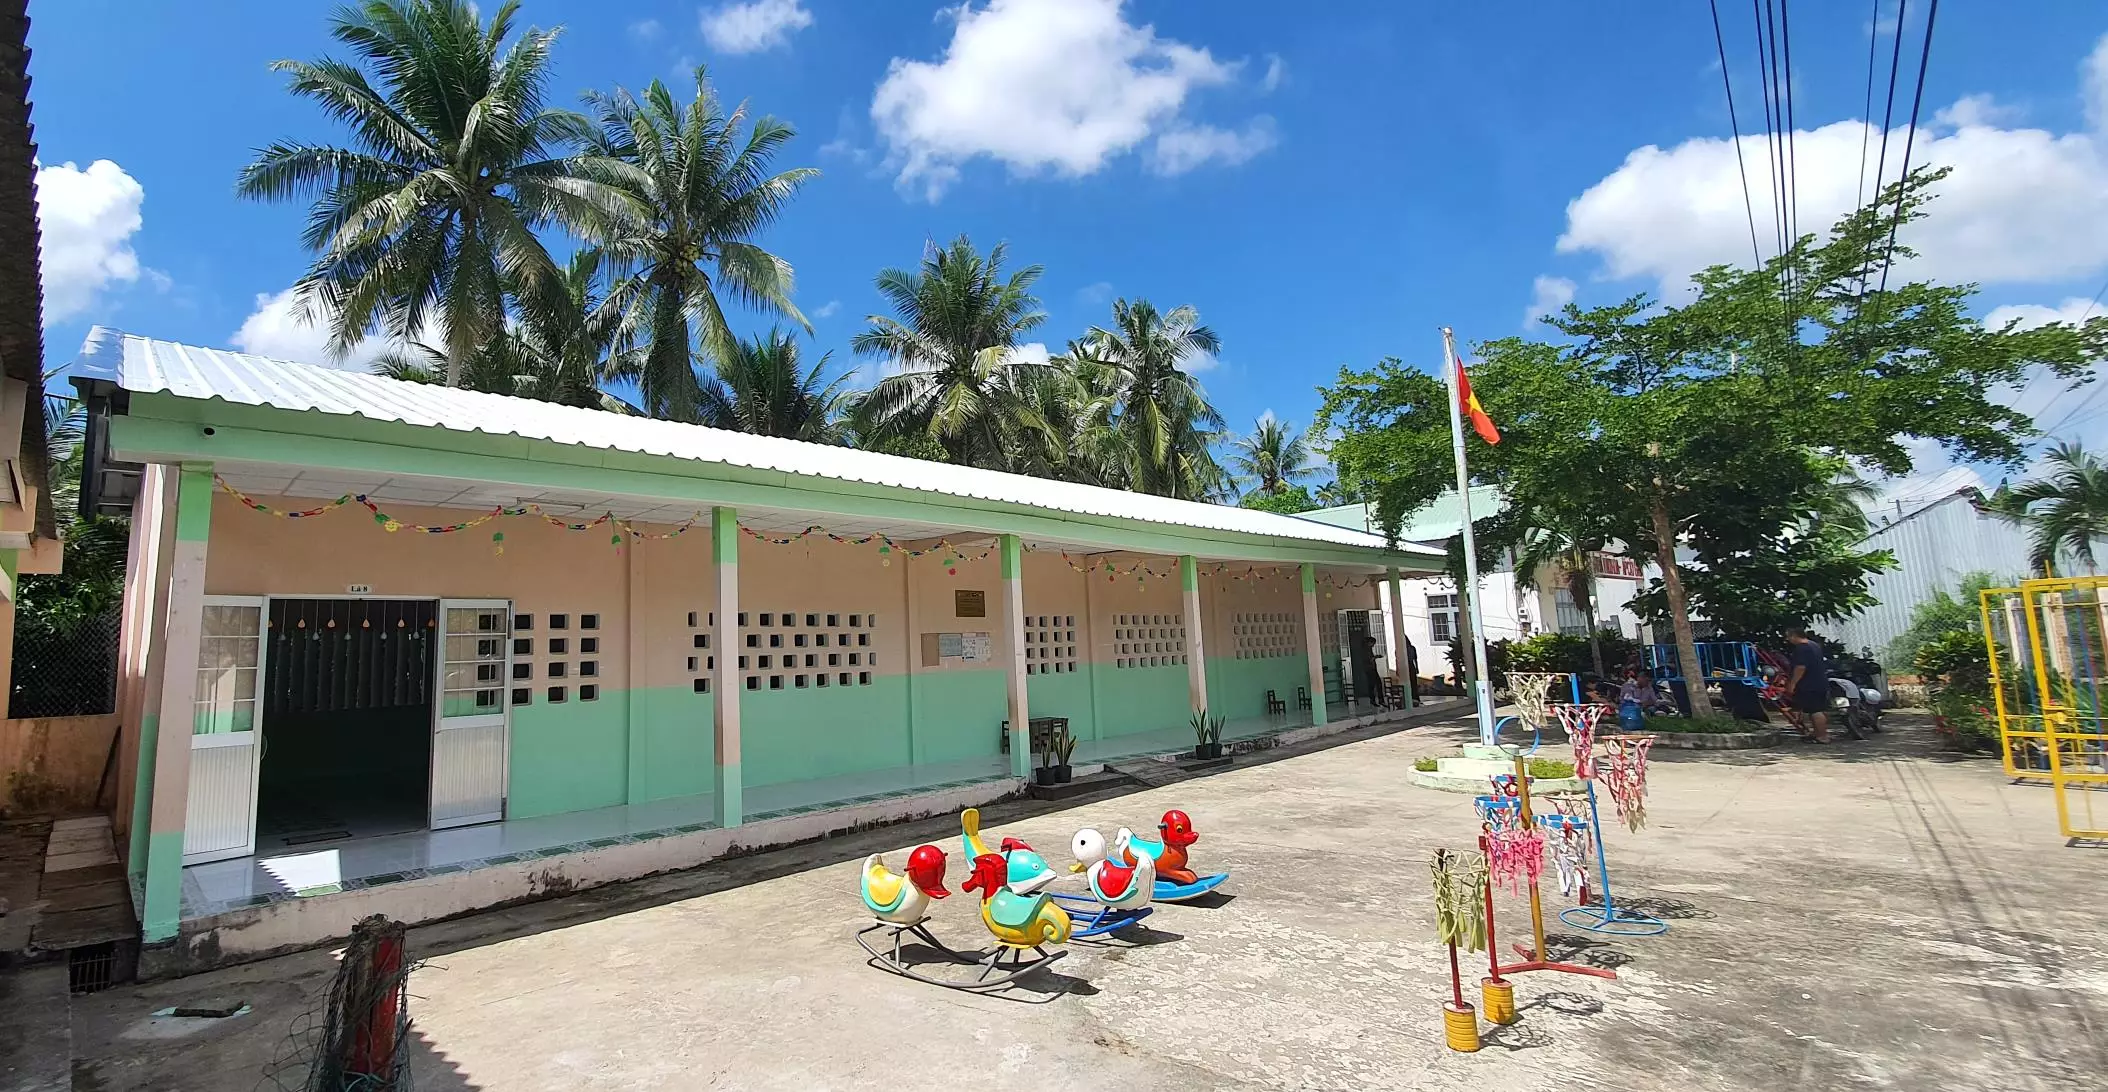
(1469, 403)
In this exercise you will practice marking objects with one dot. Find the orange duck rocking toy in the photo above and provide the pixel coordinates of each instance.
(1175, 879)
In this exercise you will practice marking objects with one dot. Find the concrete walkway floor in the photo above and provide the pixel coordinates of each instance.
(1864, 916)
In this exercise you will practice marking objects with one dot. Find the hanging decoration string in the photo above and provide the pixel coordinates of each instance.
(1514, 852)
(1625, 775)
(1566, 832)
(622, 528)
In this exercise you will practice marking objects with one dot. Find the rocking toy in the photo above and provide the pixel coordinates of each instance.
(1015, 908)
(1175, 881)
(1119, 894)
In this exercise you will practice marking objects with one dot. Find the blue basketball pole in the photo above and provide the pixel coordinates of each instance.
(1608, 918)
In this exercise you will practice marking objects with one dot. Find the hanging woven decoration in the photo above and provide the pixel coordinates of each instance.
(1624, 775)
(1567, 836)
(1460, 898)
(1580, 724)
(1514, 852)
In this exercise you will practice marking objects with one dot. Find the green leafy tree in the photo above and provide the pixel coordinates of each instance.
(2065, 511)
(1287, 501)
(702, 186)
(958, 321)
(428, 221)
(1940, 614)
(1715, 427)
(1272, 457)
(762, 388)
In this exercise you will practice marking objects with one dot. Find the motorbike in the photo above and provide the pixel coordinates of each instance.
(1850, 709)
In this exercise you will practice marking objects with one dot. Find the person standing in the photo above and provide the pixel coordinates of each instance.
(1808, 687)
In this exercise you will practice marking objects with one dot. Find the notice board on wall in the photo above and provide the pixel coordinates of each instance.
(969, 604)
(957, 649)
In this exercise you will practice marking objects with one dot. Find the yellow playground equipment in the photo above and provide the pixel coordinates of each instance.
(2048, 645)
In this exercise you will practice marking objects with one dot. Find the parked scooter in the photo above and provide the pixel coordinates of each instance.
(1849, 708)
(1866, 673)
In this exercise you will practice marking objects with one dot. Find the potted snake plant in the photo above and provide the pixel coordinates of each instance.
(1064, 749)
(1207, 735)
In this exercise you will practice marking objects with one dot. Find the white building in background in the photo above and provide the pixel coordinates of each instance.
(1509, 611)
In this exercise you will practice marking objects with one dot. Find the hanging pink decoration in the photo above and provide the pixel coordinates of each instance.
(1624, 774)
(1514, 853)
(1580, 724)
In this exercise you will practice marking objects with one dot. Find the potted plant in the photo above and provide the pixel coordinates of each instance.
(1207, 735)
(1048, 772)
(1064, 749)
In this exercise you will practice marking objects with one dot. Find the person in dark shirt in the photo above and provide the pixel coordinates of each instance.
(1808, 687)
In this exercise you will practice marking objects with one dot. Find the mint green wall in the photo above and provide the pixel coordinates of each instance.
(958, 714)
(1141, 699)
(1066, 695)
(672, 742)
(568, 757)
(1237, 688)
(798, 735)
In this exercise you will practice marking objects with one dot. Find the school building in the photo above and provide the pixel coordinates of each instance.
(391, 647)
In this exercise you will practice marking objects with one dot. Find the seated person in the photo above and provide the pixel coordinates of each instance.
(1645, 692)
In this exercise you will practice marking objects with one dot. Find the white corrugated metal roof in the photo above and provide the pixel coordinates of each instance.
(145, 365)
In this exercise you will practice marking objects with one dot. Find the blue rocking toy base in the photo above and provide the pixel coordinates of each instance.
(1167, 891)
(1091, 918)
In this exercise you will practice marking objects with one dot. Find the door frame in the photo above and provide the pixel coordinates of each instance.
(503, 715)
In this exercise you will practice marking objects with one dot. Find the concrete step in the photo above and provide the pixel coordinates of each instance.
(36, 1032)
(1104, 779)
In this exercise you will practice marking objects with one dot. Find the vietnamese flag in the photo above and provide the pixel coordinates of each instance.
(1469, 403)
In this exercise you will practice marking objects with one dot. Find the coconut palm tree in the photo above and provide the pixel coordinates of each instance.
(558, 348)
(1565, 554)
(760, 388)
(2064, 511)
(957, 323)
(429, 218)
(703, 181)
(1272, 458)
(1164, 417)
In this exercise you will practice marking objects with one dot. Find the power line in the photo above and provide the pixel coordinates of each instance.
(1748, 205)
(1793, 162)
(1888, 116)
(1866, 126)
(1917, 100)
(1774, 152)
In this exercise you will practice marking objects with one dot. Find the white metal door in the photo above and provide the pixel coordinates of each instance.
(226, 723)
(470, 733)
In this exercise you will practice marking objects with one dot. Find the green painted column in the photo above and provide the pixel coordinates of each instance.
(1021, 757)
(170, 786)
(1196, 652)
(1311, 646)
(1402, 661)
(724, 680)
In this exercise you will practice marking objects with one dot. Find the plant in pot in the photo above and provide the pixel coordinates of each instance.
(1207, 734)
(1048, 772)
(1064, 749)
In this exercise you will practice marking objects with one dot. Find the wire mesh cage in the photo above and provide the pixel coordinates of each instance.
(2067, 628)
(68, 671)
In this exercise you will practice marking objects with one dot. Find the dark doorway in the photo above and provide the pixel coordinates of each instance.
(1361, 657)
(347, 721)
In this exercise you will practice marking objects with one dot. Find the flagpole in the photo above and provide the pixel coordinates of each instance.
(1482, 688)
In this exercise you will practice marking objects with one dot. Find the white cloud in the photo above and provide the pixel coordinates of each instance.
(1095, 294)
(827, 310)
(755, 25)
(1031, 352)
(646, 30)
(87, 219)
(1547, 296)
(2023, 205)
(1183, 147)
(1199, 363)
(1059, 86)
(1975, 110)
(1275, 73)
(2072, 311)
(276, 328)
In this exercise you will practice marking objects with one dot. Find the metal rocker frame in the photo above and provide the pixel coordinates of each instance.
(1090, 918)
(1011, 970)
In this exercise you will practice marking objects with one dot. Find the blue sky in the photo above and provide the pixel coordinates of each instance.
(1327, 183)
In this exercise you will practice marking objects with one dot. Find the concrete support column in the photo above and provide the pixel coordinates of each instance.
(140, 714)
(179, 684)
(1196, 652)
(724, 680)
(1401, 663)
(1311, 645)
(1021, 757)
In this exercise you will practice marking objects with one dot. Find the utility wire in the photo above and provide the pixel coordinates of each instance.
(1917, 100)
(1866, 126)
(1774, 155)
(1793, 162)
(1888, 113)
(1748, 206)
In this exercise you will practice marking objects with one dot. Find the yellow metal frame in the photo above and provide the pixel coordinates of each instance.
(2022, 743)
(2073, 728)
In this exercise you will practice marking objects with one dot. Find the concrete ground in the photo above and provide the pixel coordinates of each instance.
(1872, 915)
